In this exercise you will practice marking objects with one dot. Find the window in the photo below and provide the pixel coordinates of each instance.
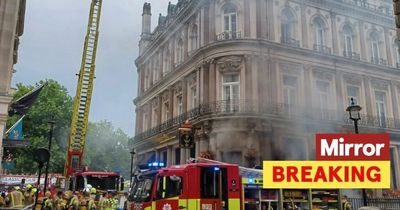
(141, 190)
(289, 92)
(348, 41)
(179, 101)
(180, 52)
(375, 48)
(287, 26)
(230, 21)
(193, 97)
(155, 72)
(319, 33)
(230, 91)
(353, 92)
(165, 111)
(210, 182)
(193, 38)
(323, 97)
(380, 98)
(168, 187)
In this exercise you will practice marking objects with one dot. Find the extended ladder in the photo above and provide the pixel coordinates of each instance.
(84, 91)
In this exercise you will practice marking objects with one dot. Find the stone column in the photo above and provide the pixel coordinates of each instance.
(273, 75)
(157, 154)
(263, 19)
(184, 95)
(388, 47)
(308, 84)
(159, 110)
(183, 156)
(212, 82)
(169, 155)
(304, 35)
(161, 63)
(212, 34)
(171, 103)
(368, 95)
(363, 41)
(249, 77)
(339, 92)
(204, 84)
(206, 24)
(186, 42)
(271, 19)
(334, 34)
(395, 101)
(246, 18)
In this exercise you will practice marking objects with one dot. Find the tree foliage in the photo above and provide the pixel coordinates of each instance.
(106, 147)
(55, 104)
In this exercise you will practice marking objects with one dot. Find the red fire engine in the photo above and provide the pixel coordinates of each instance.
(199, 185)
(211, 185)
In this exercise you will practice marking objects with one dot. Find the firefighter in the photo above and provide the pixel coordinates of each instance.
(2, 199)
(48, 201)
(15, 199)
(345, 203)
(112, 202)
(72, 202)
(102, 201)
(29, 195)
(86, 202)
(58, 201)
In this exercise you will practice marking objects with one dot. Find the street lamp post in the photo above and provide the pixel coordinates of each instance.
(354, 112)
(130, 178)
(51, 127)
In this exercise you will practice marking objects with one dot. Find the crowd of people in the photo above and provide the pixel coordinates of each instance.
(87, 199)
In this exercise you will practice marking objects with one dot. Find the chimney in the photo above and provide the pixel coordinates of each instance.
(146, 19)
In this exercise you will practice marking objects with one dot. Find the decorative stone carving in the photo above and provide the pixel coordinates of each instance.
(154, 102)
(178, 87)
(323, 75)
(165, 96)
(290, 68)
(352, 79)
(380, 84)
(229, 64)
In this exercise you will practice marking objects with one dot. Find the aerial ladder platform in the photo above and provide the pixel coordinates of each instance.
(81, 106)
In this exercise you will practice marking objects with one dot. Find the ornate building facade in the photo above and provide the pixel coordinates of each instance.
(12, 14)
(258, 78)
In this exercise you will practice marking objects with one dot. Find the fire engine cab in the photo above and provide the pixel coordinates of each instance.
(200, 185)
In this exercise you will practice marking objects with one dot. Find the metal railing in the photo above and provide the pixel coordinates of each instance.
(352, 55)
(276, 110)
(290, 41)
(322, 48)
(382, 203)
(226, 35)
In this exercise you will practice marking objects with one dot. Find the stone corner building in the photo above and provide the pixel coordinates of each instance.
(258, 78)
(12, 15)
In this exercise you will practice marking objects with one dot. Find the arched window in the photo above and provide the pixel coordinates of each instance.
(287, 26)
(348, 41)
(179, 51)
(319, 34)
(230, 20)
(375, 54)
(193, 38)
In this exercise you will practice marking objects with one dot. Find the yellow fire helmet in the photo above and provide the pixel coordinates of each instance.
(34, 190)
(28, 186)
(93, 190)
(17, 188)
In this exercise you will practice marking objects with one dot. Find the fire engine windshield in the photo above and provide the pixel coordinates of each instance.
(141, 190)
(102, 183)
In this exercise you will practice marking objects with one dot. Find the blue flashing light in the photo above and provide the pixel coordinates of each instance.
(251, 181)
(156, 164)
(216, 168)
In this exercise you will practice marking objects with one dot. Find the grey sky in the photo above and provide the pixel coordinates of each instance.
(52, 45)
